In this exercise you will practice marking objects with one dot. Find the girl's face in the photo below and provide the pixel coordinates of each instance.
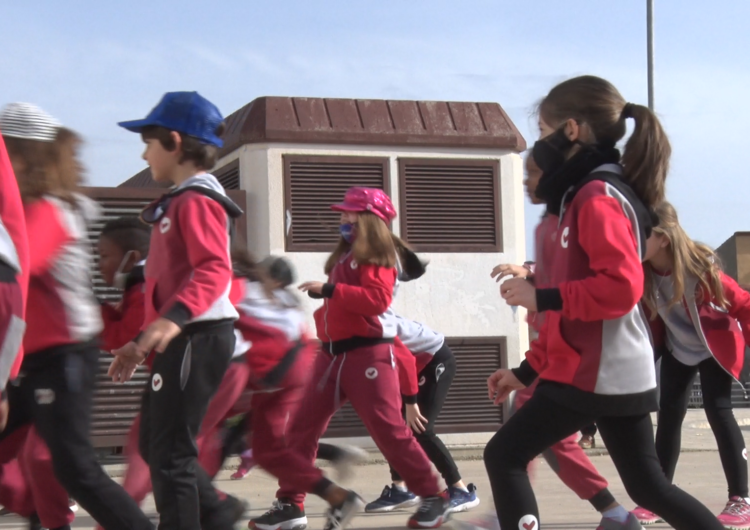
(349, 218)
(533, 174)
(657, 249)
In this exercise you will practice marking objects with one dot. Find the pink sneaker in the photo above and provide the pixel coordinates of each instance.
(736, 514)
(646, 517)
(246, 465)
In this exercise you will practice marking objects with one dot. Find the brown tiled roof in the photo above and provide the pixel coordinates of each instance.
(366, 122)
(372, 122)
(142, 179)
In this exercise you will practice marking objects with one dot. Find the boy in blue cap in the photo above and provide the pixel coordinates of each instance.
(188, 316)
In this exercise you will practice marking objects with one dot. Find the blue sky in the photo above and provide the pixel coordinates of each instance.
(92, 64)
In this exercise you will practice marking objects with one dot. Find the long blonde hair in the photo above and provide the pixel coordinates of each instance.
(689, 258)
(375, 244)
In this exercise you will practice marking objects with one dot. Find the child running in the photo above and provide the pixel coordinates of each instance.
(593, 357)
(61, 360)
(356, 364)
(436, 368)
(188, 314)
(701, 324)
(566, 457)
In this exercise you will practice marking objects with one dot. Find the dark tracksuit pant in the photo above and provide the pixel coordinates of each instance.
(367, 377)
(55, 392)
(716, 384)
(435, 381)
(183, 380)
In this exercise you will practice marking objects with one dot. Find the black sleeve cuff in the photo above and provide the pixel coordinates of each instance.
(525, 373)
(179, 314)
(409, 400)
(4, 394)
(548, 300)
(314, 296)
(328, 289)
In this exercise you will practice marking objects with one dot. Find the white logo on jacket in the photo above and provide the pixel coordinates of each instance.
(564, 237)
(44, 396)
(371, 373)
(157, 381)
(422, 381)
(353, 264)
(165, 224)
(744, 454)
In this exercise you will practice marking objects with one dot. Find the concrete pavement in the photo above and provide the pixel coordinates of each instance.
(699, 473)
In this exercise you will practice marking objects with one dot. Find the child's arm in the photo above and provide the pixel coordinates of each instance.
(121, 326)
(739, 304)
(373, 297)
(407, 372)
(606, 235)
(203, 224)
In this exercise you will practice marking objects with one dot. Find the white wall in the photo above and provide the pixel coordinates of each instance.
(457, 296)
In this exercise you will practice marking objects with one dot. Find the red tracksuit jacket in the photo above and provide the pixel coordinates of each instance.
(189, 270)
(124, 320)
(61, 308)
(14, 248)
(357, 298)
(271, 334)
(724, 332)
(594, 338)
(414, 348)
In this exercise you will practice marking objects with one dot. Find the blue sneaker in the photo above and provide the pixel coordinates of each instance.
(392, 499)
(463, 500)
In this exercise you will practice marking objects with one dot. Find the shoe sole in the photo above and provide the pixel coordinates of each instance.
(385, 509)
(293, 524)
(465, 507)
(735, 527)
(650, 522)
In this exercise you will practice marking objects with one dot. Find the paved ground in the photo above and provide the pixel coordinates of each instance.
(699, 473)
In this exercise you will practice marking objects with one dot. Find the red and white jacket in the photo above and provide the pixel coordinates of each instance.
(62, 308)
(124, 320)
(357, 301)
(545, 239)
(725, 333)
(594, 337)
(414, 348)
(271, 334)
(14, 251)
(189, 270)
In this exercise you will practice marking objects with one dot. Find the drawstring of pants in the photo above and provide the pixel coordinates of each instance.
(324, 380)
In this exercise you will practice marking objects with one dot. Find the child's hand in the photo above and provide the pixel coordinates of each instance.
(414, 418)
(519, 292)
(501, 384)
(158, 335)
(514, 271)
(4, 411)
(312, 287)
(122, 369)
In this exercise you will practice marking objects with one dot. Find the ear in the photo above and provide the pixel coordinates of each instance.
(572, 130)
(177, 139)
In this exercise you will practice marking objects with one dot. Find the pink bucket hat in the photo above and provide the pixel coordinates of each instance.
(371, 200)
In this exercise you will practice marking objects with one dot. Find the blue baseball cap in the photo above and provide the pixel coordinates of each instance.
(185, 112)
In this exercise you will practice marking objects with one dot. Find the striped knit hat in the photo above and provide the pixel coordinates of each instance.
(27, 121)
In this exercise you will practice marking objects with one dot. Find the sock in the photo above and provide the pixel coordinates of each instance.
(618, 514)
(402, 489)
(465, 489)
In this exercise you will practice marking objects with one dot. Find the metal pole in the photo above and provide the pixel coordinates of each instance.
(650, 30)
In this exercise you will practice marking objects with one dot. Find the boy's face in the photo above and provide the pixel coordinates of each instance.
(110, 258)
(163, 163)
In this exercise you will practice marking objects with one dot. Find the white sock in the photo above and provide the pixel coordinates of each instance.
(402, 489)
(618, 514)
(462, 488)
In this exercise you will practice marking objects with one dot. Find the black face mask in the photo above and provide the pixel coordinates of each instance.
(549, 153)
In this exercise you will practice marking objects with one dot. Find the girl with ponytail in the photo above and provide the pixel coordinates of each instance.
(593, 357)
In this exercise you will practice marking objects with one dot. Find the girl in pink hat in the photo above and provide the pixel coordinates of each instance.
(356, 364)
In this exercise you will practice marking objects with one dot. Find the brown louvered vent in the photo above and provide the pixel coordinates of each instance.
(450, 205)
(229, 175)
(312, 184)
(116, 405)
(466, 408)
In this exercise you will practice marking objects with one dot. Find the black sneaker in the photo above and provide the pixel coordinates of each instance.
(339, 517)
(433, 512)
(34, 522)
(231, 510)
(283, 515)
